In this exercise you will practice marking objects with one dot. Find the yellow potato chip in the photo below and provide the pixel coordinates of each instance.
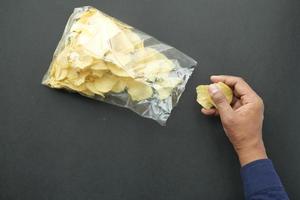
(170, 82)
(154, 68)
(98, 73)
(93, 43)
(52, 83)
(79, 59)
(119, 59)
(69, 85)
(99, 65)
(95, 34)
(119, 71)
(61, 73)
(81, 78)
(119, 86)
(165, 86)
(85, 16)
(145, 55)
(92, 89)
(73, 74)
(62, 58)
(135, 40)
(105, 84)
(138, 91)
(88, 93)
(121, 43)
(204, 98)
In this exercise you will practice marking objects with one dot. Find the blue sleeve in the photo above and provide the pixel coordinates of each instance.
(261, 181)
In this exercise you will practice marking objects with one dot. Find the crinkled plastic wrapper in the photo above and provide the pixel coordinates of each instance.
(105, 59)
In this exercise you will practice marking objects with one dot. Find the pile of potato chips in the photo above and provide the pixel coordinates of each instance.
(99, 56)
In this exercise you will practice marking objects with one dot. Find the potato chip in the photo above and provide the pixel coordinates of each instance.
(95, 34)
(68, 84)
(135, 40)
(85, 16)
(98, 73)
(119, 71)
(52, 83)
(79, 59)
(119, 59)
(154, 68)
(165, 87)
(121, 43)
(138, 91)
(106, 83)
(89, 41)
(72, 74)
(145, 55)
(60, 74)
(88, 93)
(91, 87)
(119, 86)
(62, 58)
(99, 65)
(81, 78)
(204, 98)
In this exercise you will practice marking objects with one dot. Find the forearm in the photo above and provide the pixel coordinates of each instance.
(261, 181)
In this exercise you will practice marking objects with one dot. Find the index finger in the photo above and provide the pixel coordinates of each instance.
(239, 86)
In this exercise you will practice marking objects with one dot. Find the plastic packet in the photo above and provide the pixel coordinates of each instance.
(105, 59)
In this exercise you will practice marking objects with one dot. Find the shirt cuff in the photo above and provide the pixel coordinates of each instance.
(259, 175)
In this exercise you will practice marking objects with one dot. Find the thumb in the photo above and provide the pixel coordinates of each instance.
(220, 101)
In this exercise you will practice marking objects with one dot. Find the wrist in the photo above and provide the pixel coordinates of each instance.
(251, 153)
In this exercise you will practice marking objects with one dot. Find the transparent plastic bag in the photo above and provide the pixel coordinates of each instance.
(108, 60)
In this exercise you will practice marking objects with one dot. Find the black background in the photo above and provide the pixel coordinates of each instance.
(60, 146)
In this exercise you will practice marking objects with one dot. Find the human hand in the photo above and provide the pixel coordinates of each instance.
(242, 122)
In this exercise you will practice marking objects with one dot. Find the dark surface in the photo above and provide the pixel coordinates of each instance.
(60, 146)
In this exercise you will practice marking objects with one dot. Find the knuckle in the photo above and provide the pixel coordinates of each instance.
(218, 97)
(240, 79)
(260, 102)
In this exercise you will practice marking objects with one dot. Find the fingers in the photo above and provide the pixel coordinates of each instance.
(220, 101)
(237, 105)
(209, 112)
(239, 86)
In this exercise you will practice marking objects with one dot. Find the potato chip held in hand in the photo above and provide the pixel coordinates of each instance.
(204, 98)
(103, 58)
